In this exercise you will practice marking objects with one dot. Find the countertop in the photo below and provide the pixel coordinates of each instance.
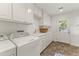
(24, 40)
(40, 34)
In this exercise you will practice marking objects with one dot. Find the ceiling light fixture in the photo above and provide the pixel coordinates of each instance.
(29, 10)
(61, 9)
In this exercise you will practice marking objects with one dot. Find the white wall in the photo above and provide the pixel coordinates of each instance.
(7, 27)
(73, 17)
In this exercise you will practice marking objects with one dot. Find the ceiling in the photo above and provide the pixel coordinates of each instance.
(53, 8)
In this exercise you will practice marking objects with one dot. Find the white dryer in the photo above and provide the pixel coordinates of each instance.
(27, 45)
(7, 48)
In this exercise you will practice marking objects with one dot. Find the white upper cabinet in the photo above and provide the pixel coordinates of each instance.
(22, 12)
(29, 13)
(46, 20)
(5, 10)
(37, 12)
(19, 11)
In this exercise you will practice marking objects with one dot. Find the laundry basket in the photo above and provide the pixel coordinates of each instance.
(43, 29)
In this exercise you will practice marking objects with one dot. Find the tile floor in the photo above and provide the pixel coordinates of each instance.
(60, 48)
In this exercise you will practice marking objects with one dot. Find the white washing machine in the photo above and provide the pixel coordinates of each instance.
(27, 45)
(7, 48)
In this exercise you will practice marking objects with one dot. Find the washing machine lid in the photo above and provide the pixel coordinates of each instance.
(24, 40)
(6, 45)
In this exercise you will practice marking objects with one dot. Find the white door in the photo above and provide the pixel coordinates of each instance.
(5, 10)
(19, 11)
(63, 30)
(63, 36)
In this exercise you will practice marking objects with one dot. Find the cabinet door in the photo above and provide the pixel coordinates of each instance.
(44, 42)
(29, 13)
(5, 10)
(37, 12)
(19, 11)
(46, 20)
(50, 38)
(63, 37)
